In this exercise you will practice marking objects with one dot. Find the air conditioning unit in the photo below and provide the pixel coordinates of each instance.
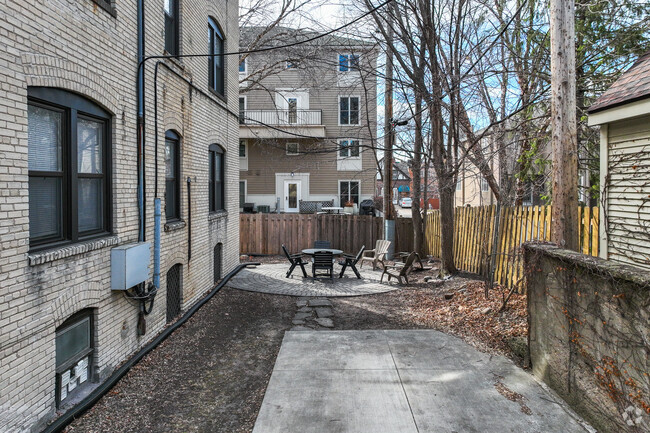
(130, 265)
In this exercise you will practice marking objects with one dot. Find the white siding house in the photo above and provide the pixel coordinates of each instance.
(623, 114)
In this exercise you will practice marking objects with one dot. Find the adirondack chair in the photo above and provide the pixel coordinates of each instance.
(351, 261)
(323, 260)
(398, 271)
(377, 255)
(295, 260)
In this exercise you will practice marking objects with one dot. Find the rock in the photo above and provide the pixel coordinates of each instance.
(437, 283)
(302, 316)
(301, 303)
(319, 303)
(486, 310)
(297, 322)
(304, 309)
(427, 279)
(448, 296)
(324, 312)
(327, 323)
(519, 346)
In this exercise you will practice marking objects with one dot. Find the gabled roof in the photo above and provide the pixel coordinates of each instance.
(633, 85)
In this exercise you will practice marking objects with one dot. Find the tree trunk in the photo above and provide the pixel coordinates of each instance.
(416, 167)
(447, 226)
(564, 228)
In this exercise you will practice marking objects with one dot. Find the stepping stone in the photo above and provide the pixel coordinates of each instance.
(327, 323)
(302, 316)
(324, 312)
(300, 328)
(319, 303)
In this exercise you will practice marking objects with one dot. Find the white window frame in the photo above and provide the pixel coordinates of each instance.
(338, 152)
(485, 186)
(338, 109)
(350, 69)
(459, 183)
(338, 183)
(245, 143)
(291, 153)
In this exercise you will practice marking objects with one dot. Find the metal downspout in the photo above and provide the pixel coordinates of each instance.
(141, 129)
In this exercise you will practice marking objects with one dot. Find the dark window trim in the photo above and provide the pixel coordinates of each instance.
(212, 191)
(175, 27)
(215, 32)
(108, 6)
(77, 317)
(73, 106)
(172, 135)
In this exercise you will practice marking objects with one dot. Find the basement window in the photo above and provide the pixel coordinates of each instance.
(74, 356)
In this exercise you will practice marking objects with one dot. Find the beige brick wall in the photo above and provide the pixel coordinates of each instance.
(79, 47)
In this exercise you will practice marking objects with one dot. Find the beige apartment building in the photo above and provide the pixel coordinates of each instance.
(84, 155)
(308, 124)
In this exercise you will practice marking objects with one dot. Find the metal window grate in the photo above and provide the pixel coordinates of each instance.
(174, 289)
(217, 262)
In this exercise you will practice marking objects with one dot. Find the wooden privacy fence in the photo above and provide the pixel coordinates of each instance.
(265, 233)
(474, 237)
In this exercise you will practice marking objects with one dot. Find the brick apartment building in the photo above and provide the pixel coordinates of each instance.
(76, 192)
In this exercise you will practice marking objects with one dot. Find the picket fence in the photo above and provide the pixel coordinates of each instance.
(474, 237)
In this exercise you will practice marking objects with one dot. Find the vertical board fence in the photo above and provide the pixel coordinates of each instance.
(265, 233)
(474, 237)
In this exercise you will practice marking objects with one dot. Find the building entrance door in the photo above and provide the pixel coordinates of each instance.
(291, 195)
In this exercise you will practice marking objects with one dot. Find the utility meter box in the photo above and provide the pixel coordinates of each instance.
(130, 265)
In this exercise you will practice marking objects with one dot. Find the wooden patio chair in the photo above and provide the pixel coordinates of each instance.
(351, 261)
(323, 260)
(322, 244)
(295, 260)
(398, 271)
(377, 255)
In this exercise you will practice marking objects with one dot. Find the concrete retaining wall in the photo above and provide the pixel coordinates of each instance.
(589, 336)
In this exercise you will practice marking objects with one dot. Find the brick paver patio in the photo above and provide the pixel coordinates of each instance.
(270, 278)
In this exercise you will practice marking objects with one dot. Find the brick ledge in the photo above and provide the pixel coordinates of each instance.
(71, 250)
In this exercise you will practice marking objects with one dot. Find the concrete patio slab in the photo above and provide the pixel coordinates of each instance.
(271, 278)
(400, 382)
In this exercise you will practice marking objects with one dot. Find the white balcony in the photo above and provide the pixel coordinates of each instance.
(287, 123)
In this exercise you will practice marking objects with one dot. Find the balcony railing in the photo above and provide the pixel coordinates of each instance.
(280, 117)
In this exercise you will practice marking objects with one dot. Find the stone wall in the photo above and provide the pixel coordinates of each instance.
(589, 334)
(79, 46)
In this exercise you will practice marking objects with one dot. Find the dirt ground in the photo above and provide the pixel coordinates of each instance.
(211, 374)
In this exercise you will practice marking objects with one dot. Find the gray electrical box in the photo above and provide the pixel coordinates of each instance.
(130, 265)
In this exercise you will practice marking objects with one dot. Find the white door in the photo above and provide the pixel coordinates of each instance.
(290, 106)
(291, 195)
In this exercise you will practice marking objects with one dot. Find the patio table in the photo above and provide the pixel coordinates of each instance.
(332, 209)
(312, 251)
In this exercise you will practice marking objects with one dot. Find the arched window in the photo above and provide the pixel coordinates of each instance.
(69, 143)
(174, 291)
(75, 345)
(172, 176)
(216, 60)
(216, 186)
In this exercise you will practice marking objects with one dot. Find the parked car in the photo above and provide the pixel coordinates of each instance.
(406, 202)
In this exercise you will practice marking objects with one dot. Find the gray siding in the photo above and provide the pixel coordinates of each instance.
(628, 191)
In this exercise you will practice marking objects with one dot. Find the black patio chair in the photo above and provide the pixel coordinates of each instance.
(351, 261)
(295, 260)
(323, 260)
(322, 244)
